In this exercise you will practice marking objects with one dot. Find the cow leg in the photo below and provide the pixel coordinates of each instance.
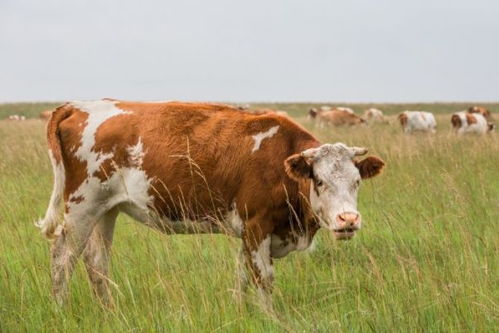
(242, 280)
(65, 252)
(256, 247)
(97, 254)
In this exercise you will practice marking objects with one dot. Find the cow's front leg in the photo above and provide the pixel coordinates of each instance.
(256, 247)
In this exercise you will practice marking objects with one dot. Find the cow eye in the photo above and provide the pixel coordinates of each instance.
(318, 183)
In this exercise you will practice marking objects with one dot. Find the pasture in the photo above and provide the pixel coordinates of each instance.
(426, 259)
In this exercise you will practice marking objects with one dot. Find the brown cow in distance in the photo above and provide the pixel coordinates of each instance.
(194, 168)
(45, 115)
(339, 118)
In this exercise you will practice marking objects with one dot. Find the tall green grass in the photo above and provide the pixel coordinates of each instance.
(426, 259)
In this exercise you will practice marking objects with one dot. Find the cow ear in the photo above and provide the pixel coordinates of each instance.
(369, 166)
(297, 167)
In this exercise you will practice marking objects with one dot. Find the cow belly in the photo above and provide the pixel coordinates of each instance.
(207, 225)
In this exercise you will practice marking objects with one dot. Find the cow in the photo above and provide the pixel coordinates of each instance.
(481, 110)
(45, 115)
(417, 121)
(16, 117)
(262, 111)
(464, 122)
(191, 168)
(345, 109)
(313, 112)
(339, 118)
(373, 115)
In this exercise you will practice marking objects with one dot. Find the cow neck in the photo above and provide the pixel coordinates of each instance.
(308, 220)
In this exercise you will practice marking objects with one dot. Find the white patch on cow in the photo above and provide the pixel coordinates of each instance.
(98, 112)
(136, 154)
(95, 197)
(51, 219)
(263, 135)
(236, 223)
(345, 109)
(261, 258)
(281, 247)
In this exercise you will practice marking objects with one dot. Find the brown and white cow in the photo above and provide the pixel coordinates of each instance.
(417, 121)
(481, 110)
(339, 118)
(194, 168)
(373, 115)
(314, 112)
(471, 123)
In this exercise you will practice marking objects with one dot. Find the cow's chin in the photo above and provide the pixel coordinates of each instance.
(344, 234)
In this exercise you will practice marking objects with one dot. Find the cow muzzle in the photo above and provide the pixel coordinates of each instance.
(346, 224)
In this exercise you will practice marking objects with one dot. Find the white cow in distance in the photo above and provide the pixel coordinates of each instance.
(16, 117)
(417, 121)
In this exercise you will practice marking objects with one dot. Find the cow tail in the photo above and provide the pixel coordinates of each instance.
(50, 225)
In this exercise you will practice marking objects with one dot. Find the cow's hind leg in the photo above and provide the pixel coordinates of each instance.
(97, 254)
(66, 250)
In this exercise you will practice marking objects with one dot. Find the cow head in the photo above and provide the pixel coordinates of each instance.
(312, 113)
(335, 177)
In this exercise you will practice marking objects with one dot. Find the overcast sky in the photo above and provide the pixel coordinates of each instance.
(259, 50)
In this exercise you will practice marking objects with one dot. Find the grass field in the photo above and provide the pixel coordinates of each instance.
(426, 260)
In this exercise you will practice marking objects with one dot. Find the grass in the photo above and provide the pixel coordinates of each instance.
(426, 260)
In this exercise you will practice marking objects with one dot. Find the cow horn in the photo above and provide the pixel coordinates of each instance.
(310, 153)
(359, 151)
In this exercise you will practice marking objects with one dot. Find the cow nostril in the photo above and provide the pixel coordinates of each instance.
(349, 219)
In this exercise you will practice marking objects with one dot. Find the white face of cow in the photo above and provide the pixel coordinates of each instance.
(335, 179)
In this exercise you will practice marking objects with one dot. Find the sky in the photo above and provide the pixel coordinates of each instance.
(242, 51)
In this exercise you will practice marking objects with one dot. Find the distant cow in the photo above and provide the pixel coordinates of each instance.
(471, 123)
(194, 168)
(417, 121)
(313, 112)
(339, 118)
(45, 115)
(345, 109)
(373, 115)
(16, 117)
(264, 111)
(481, 110)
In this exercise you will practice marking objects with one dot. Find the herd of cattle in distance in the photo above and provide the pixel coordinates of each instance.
(475, 120)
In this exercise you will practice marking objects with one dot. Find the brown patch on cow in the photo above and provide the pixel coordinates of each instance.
(470, 119)
(403, 119)
(313, 113)
(482, 110)
(491, 127)
(370, 166)
(456, 121)
(77, 199)
(297, 167)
